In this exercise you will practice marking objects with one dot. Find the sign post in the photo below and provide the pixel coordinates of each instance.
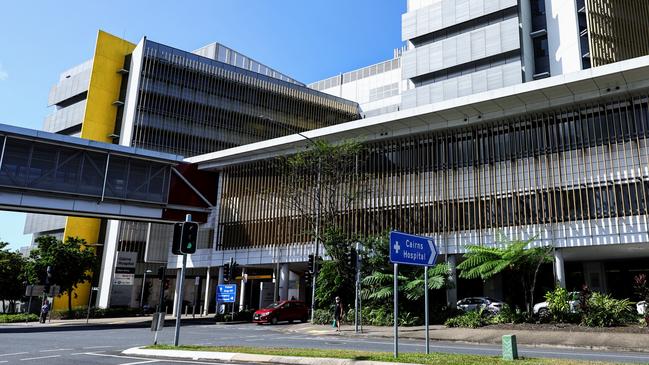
(226, 293)
(411, 250)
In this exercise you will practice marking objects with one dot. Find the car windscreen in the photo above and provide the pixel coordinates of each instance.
(274, 305)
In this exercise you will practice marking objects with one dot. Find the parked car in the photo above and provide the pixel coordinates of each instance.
(641, 307)
(542, 310)
(477, 303)
(286, 310)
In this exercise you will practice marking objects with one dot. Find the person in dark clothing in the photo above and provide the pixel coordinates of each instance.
(45, 309)
(338, 313)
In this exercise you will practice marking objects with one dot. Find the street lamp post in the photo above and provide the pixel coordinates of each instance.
(147, 271)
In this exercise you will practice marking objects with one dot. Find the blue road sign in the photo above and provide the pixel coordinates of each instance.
(412, 250)
(226, 293)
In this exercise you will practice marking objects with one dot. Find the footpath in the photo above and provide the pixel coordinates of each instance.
(567, 339)
(140, 321)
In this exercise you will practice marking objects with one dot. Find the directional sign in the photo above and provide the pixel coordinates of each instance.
(412, 250)
(226, 293)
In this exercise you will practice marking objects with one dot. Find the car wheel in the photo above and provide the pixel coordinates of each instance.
(273, 320)
(544, 313)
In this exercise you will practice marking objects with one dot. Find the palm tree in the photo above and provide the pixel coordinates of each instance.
(484, 262)
(379, 285)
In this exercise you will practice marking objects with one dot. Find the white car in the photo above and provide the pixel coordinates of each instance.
(542, 309)
(641, 307)
(477, 303)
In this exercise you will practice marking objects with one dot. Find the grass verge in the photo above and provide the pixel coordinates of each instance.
(410, 358)
(18, 317)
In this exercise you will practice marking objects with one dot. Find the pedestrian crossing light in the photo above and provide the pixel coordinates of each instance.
(188, 238)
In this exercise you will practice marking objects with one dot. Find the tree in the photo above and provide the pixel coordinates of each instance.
(12, 267)
(484, 262)
(71, 262)
(321, 185)
(378, 281)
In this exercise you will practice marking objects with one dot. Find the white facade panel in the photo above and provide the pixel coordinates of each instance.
(437, 15)
(563, 36)
(467, 47)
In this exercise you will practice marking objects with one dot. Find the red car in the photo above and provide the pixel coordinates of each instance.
(286, 310)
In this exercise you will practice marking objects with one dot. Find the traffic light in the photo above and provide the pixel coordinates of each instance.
(188, 237)
(351, 257)
(226, 272)
(310, 263)
(178, 232)
(233, 269)
(308, 278)
(161, 273)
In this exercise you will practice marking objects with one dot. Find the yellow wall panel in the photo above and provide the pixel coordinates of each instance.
(98, 124)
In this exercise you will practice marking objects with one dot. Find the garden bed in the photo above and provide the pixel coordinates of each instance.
(567, 327)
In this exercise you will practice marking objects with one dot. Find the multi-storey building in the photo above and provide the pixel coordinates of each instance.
(527, 117)
(160, 98)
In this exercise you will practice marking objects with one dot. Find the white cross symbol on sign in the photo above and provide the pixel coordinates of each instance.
(396, 247)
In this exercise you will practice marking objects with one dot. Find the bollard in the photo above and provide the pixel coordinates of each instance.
(510, 350)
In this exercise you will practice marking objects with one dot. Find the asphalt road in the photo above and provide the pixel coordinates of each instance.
(103, 344)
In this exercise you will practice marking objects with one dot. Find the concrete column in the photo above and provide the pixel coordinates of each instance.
(242, 291)
(283, 282)
(176, 292)
(220, 279)
(451, 293)
(559, 270)
(108, 264)
(208, 292)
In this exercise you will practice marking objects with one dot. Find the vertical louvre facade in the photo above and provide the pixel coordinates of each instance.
(618, 30)
(190, 105)
(585, 166)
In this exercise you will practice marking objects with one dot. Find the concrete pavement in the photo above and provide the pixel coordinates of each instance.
(570, 339)
(246, 358)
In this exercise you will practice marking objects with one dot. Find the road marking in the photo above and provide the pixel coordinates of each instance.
(139, 362)
(53, 350)
(38, 358)
(159, 360)
(96, 347)
(14, 353)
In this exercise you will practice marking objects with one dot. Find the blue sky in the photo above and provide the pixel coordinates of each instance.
(307, 40)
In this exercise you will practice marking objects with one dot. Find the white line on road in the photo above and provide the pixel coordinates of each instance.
(162, 360)
(96, 347)
(139, 362)
(1, 361)
(14, 353)
(38, 358)
(53, 350)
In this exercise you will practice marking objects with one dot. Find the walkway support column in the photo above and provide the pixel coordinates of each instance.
(451, 293)
(242, 291)
(208, 291)
(559, 270)
(283, 282)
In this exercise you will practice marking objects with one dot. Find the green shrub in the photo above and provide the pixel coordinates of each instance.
(508, 315)
(18, 317)
(604, 311)
(322, 316)
(81, 313)
(559, 306)
(473, 319)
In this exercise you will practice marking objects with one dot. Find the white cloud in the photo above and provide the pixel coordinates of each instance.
(3, 73)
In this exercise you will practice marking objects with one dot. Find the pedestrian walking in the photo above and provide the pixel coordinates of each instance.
(338, 313)
(45, 309)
